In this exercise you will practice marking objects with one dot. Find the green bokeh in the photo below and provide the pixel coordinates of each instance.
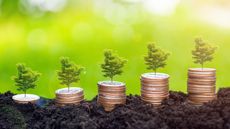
(82, 33)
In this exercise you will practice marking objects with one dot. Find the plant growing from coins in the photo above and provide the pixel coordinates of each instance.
(203, 52)
(26, 78)
(156, 58)
(69, 73)
(112, 65)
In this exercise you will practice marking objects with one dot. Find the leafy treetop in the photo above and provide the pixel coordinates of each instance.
(156, 58)
(26, 78)
(69, 73)
(112, 65)
(203, 52)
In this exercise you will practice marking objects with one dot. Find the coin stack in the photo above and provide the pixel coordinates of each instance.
(201, 85)
(72, 96)
(154, 87)
(111, 94)
(24, 99)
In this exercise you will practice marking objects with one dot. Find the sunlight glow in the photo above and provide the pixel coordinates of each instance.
(49, 5)
(161, 7)
(216, 15)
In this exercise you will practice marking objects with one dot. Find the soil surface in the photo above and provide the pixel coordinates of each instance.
(174, 113)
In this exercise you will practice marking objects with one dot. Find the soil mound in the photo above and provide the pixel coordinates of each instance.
(174, 113)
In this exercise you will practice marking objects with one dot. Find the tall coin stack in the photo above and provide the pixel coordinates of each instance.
(64, 97)
(111, 94)
(154, 87)
(201, 85)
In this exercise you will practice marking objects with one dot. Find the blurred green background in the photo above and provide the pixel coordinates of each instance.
(38, 32)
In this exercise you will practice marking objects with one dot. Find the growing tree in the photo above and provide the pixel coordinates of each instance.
(26, 78)
(156, 58)
(69, 73)
(203, 52)
(112, 65)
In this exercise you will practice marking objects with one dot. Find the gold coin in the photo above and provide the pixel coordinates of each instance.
(154, 89)
(154, 80)
(110, 102)
(67, 102)
(202, 70)
(154, 96)
(111, 87)
(109, 95)
(201, 83)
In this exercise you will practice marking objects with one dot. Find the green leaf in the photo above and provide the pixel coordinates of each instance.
(112, 65)
(26, 78)
(156, 58)
(203, 52)
(69, 72)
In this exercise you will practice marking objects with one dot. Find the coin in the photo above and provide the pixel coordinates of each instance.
(201, 85)
(65, 96)
(111, 94)
(202, 69)
(154, 87)
(161, 89)
(201, 100)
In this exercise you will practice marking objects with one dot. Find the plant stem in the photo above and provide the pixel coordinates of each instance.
(202, 66)
(25, 94)
(112, 79)
(68, 87)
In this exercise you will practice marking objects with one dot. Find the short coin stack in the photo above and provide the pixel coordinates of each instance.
(111, 94)
(154, 87)
(24, 99)
(201, 85)
(72, 96)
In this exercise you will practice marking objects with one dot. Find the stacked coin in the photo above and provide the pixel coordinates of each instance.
(111, 94)
(72, 96)
(201, 85)
(154, 87)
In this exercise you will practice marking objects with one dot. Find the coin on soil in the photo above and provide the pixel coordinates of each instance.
(111, 94)
(154, 87)
(201, 85)
(73, 95)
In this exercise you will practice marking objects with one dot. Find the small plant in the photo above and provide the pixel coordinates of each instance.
(156, 58)
(69, 73)
(203, 52)
(26, 78)
(113, 64)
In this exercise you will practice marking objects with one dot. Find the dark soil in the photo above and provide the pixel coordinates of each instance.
(174, 113)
